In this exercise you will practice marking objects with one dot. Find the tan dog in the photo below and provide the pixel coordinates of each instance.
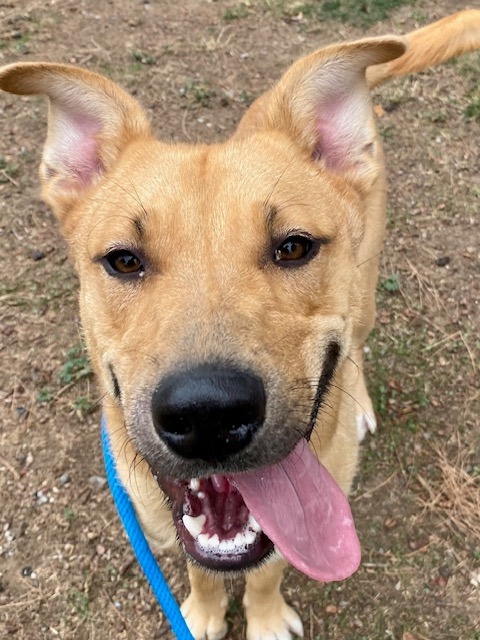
(226, 294)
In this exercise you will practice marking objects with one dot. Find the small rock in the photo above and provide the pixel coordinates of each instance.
(445, 571)
(419, 545)
(475, 578)
(64, 478)
(37, 255)
(41, 498)
(331, 609)
(443, 261)
(97, 482)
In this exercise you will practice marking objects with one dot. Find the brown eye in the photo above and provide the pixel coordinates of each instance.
(122, 262)
(294, 251)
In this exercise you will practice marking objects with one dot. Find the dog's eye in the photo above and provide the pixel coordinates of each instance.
(294, 251)
(123, 262)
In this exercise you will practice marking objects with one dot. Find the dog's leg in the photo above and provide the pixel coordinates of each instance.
(268, 615)
(205, 608)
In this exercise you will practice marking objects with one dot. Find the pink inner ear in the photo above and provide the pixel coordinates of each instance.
(72, 150)
(342, 131)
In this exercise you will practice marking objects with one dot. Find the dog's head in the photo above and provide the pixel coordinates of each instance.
(218, 283)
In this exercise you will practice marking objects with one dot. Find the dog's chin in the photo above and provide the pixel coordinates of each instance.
(214, 524)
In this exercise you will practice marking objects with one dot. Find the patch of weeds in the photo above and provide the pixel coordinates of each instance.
(69, 514)
(436, 116)
(472, 110)
(307, 9)
(235, 13)
(143, 58)
(80, 603)
(420, 16)
(379, 395)
(363, 13)
(246, 98)
(386, 131)
(45, 395)
(83, 404)
(76, 366)
(468, 65)
(390, 284)
(197, 94)
(22, 41)
(8, 171)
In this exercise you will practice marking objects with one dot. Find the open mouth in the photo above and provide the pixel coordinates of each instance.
(233, 522)
(214, 524)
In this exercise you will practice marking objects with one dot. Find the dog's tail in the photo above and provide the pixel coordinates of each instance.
(431, 45)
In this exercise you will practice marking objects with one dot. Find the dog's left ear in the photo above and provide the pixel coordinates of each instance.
(91, 121)
(323, 104)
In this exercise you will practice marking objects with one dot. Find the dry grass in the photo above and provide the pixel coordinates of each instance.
(455, 496)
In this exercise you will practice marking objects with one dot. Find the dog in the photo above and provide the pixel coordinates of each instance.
(226, 293)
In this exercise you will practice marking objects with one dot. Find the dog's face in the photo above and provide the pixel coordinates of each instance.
(208, 261)
(218, 284)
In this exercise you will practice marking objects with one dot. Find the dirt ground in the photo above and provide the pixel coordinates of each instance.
(66, 570)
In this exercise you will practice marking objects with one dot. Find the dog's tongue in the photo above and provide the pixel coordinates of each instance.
(304, 512)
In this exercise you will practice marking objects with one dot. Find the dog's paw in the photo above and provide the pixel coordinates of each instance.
(281, 623)
(366, 422)
(205, 621)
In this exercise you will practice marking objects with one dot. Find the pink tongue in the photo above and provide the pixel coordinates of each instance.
(304, 512)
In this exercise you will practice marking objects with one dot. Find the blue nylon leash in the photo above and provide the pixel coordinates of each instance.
(141, 547)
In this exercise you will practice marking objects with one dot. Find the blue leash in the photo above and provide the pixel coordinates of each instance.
(141, 547)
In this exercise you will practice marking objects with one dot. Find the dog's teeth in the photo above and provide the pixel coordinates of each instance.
(214, 541)
(239, 539)
(250, 536)
(193, 525)
(253, 524)
(203, 540)
(194, 484)
(201, 495)
(227, 546)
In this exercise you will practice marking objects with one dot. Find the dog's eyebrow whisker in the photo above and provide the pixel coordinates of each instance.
(266, 203)
(379, 253)
(135, 197)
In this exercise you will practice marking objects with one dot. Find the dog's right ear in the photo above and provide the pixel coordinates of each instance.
(323, 104)
(91, 120)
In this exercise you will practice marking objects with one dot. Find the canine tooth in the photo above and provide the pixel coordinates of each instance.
(193, 525)
(194, 484)
(201, 495)
(253, 524)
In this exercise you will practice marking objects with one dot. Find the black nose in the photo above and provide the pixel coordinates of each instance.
(210, 412)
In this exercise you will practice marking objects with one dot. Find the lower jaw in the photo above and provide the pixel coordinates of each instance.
(238, 557)
(255, 553)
